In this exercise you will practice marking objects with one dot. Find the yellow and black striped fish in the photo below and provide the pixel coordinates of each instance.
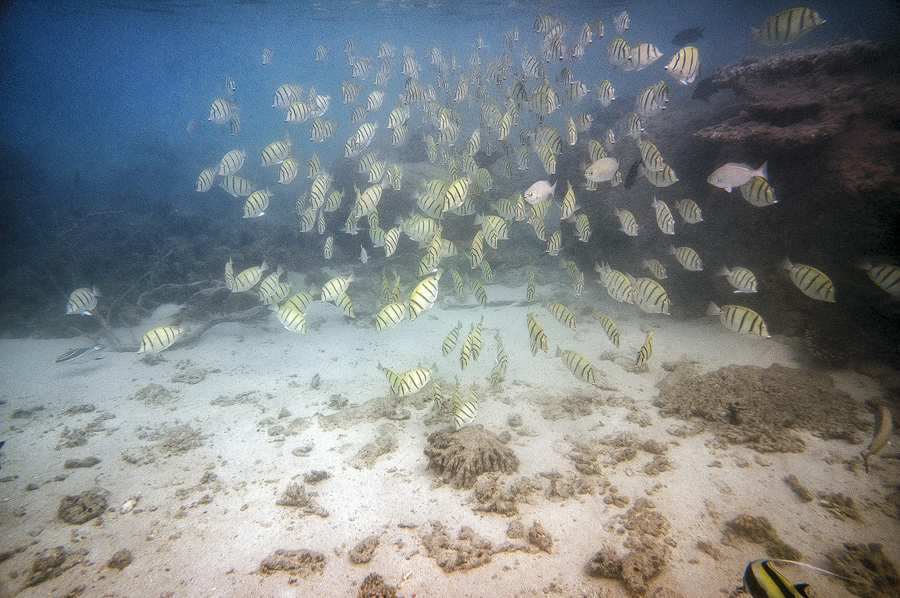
(335, 287)
(424, 295)
(687, 257)
(248, 278)
(685, 65)
(458, 282)
(394, 379)
(465, 352)
(689, 210)
(451, 339)
(610, 328)
(886, 276)
(345, 304)
(237, 186)
(82, 301)
(486, 272)
(478, 290)
(664, 219)
(160, 338)
(562, 313)
(811, 281)
(414, 381)
(761, 580)
(657, 269)
(299, 301)
(531, 289)
(629, 224)
(231, 162)
(291, 318)
(257, 204)
(206, 179)
(758, 192)
(390, 315)
(464, 413)
(476, 339)
(476, 254)
(577, 364)
(650, 296)
(742, 279)
(646, 351)
(786, 26)
(739, 319)
(229, 274)
(536, 335)
(502, 356)
(269, 284)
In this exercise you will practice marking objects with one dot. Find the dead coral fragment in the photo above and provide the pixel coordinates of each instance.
(871, 572)
(798, 488)
(759, 530)
(468, 551)
(840, 506)
(295, 496)
(51, 563)
(364, 551)
(461, 456)
(374, 587)
(81, 508)
(540, 539)
(635, 569)
(295, 562)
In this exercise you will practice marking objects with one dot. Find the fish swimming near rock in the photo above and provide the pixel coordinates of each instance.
(82, 301)
(734, 174)
(786, 26)
(687, 36)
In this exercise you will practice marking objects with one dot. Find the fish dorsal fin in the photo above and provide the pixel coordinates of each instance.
(802, 589)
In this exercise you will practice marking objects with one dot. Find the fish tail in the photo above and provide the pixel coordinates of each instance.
(787, 264)
(763, 170)
(723, 271)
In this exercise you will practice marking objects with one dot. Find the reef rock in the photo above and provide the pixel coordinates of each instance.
(461, 456)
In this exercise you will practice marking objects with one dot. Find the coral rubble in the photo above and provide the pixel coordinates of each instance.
(461, 456)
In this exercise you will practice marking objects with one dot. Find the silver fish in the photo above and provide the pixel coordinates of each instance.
(733, 175)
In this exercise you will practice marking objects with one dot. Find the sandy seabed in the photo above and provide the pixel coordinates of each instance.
(209, 438)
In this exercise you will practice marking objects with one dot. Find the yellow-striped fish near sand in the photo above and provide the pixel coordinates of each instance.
(479, 292)
(646, 350)
(562, 313)
(758, 192)
(536, 335)
(786, 26)
(335, 287)
(464, 412)
(390, 315)
(345, 304)
(291, 318)
(650, 296)
(465, 352)
(577, 364)
(687, 257)
(531, 289)
(884, 428)
(269, 284)
(414, 381)
(299, 301)
(247, 279)
(554, 243)
(739, 319)
(664, 219)
(477, 343)
(424, 295)
(160, 338)
(811, 281)
(502, 356)
(886, 276)
(393, 378)
(610, 328)
(82, 301)
(742, 279)
(451, 339)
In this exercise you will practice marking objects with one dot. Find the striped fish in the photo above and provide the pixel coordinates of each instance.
(231, 162)
(786, 26)
(664, 219)
(82, 301)
(206, 179)
(536, 335)
(739, 319)
(478, 291)
(685, 65)
(394, 379)
(464, 413)
(656, 269)
(646, 350)
(465, 352)
(229, 274)
(687, 257)
(257, 204)
(562, 313)
(661, 178)
(811, 281)
(641, 56)
(74, 354)
(321, 53)
(299, 301)
(269, 284)
(236, 186)
(345, 304)
(583, 227)
(458, 283)
(650, 296)
(758, 192)
(569, 204)
(414, 381)
(886, 276)
(332, 289)
(650, 156)
(390, 315)
(554, 243)
(577, 364)
(424, 295)
(610, 328)
(742, 279)
(287, 171)
(619, 288)
(618, 52)
(761, 580)
(502, 357)
(277, 151)
(314, 167)
(531, 289)
(221, 110)
(477, 343)
(486, 272)
(451, 339)
(455, 195)
(160, 338)
(391, 238)
(248, 278)
(605, 92)
(328, 249)
(291, 318)
(689, 210)
(629, 224)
